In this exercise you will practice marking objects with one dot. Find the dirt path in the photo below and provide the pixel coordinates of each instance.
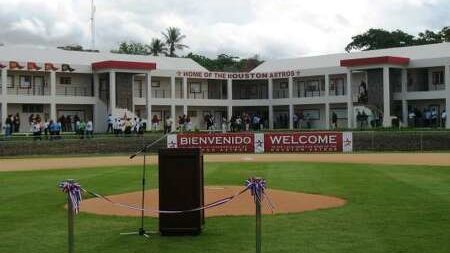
(284, 202)
(438, 159)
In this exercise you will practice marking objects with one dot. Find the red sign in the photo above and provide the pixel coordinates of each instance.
(214, 143)
(303, 142)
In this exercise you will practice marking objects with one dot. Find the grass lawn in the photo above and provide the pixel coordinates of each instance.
(389, 209)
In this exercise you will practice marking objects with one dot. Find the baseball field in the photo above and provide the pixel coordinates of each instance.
(396, 202)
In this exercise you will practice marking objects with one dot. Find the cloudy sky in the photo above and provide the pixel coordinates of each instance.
(269, 28)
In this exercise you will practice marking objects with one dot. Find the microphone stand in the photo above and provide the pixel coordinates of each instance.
(141, 231)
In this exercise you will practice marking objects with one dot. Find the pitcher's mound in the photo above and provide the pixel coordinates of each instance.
(284, 202)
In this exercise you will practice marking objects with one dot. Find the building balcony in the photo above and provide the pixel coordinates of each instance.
(74, 90)
(29, 91)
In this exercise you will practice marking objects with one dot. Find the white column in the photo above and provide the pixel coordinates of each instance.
(173, 116)
(148, 106)
(112, 91)
(172, 87)
(185, 110)
(4, 113)
(53, 111)
(291, 87)
(405, 112)
(270, 87)
(230, 89)
(404, 101)
(4, 82)
(96, 85)
(327, 115)
(230, 112)
(349, 100)
(387, 122)
(291, 116)
(327, 104)
(53, 84)
(270, 116)
(185, 88)
(132, 93)
(447, 92)
(53, 95)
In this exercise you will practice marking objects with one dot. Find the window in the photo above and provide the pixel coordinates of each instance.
(25, 82)
(337, 86)
(156, 84)
(283, 85)
(32, 108)
(65, 80)
(38, 81)
(10, 82)
(437, 77)
(195, 88)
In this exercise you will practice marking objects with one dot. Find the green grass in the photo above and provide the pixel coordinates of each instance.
(390, 209)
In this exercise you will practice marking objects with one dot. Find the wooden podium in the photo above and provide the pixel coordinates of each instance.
(181, 188)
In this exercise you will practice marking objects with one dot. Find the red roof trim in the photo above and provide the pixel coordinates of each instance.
(123, 65)
(375, 60)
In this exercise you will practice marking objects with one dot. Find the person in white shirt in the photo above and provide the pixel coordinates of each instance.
(89, 129)
(443, 118)
(110, 121)
(168, 126)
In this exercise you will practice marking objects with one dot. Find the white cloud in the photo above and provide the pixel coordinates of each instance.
(270, 28)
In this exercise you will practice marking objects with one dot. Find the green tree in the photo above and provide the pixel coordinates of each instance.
(173, 39)
(157, 47)
(378, 39)
(226, 63)
(132, 47)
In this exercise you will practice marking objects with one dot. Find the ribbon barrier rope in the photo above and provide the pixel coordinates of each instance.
(255, 185)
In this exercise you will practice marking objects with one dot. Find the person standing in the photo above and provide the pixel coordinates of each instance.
(443, 118)
(8, 127)
(334, 120)
(110, 121)
(155, 123)
(168, 126)
(89, 129)
(17, 123)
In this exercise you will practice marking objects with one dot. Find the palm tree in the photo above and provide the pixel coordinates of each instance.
(173, 39)
(157, 47)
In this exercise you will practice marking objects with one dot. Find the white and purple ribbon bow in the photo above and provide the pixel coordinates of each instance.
(256, 186)
(73, 189)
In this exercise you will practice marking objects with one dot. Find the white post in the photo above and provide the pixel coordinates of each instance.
(405, 112)
(291, 87)
(185, 110)
(172, 87)
(327, 115)
(230, 89)
(4, 82)
(52, 84)
(291, 116)
(185, 93)
(270, 84)
(387, 122)
(270, 116)
(447, 92)
(96, 85)
(173, 116)
(4, 113)
(148, 106)
(230, 112)
(132, 94)
(112, 91)
(404, 101)
(53, 111)
(349, 100)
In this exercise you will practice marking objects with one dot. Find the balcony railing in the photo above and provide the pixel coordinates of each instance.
(72, 90)
(160, 94)
(309, 93)
(279, 94)
(29, 91)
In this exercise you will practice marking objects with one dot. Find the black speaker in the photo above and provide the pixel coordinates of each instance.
(181, 188)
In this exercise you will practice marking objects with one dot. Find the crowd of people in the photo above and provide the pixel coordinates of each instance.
(12, 125)
(125, 126)
(429, 117)
(51, 129)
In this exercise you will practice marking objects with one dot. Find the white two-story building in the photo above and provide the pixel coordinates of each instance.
(384, 84)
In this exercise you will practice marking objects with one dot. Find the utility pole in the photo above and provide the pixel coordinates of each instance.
(92, 25)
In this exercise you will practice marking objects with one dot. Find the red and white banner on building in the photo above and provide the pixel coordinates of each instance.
(264, 142)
